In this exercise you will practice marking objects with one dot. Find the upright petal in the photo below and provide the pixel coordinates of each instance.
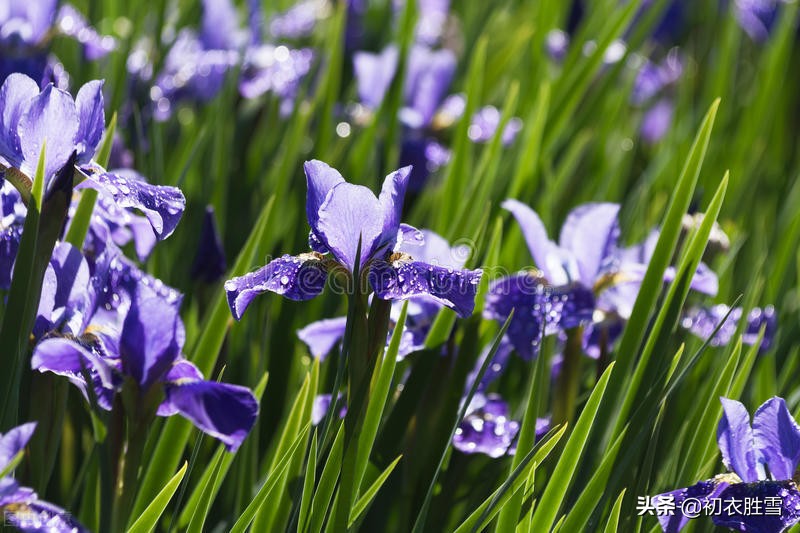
(777, 438)
(51, 119)
(220, 25)
(349, 214)
(590, 232)
(321, 336)
(735, 439)
(544, 251)
(374, 73)
(320, 179)
(402, 279)
(299, 278)
(14, 441)
(16, 92)
(391, 200)
(151, 338)
(428, 78)
(161, 204)
(226, 412)
(92, 119)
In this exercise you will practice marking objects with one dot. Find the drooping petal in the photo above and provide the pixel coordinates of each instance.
(50, 120)
(781, 497)
(351, 214)
(428, 78)
(590, 232)
(374, 73)
(226, 412)
(702, 492)
(777, 438)
(735, 440)
(68, 358)
(402, 279)
(704, 280)
(38, 516)
(704, 320)
(487, 430)
(181, 371)
(92, 121)
(321, 336)
(391, 198)
(546, 254)
(16, 92)
(277, 70)
(14, 441)
(320, 179)
(299, 278)
(151, 338)
(163, 205)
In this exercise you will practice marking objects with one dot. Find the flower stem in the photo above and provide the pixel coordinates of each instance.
(566, 393)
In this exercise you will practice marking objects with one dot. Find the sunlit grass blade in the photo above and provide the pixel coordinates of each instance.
(308, 484)
(613, 518)
(553, 495)
(147, 521)
(365, 499)
(327, 483)
(266, 489)
(205, 500)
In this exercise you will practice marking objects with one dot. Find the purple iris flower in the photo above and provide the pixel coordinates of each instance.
(30, 119)
(488, 428)
(322, 336)
(26, 29)
(197, 65)
(20, 506)
(426, 106)
(762, 459)
(300, 20)
(649, 91)
(757, 17)
(322, 404)
(341, 216)
(140, 339)
(702, 321)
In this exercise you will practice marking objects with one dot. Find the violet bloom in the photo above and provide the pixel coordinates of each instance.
(20, 506)
(487, 428)
(27, 28)
(426, 107)
(322, 336)
(30, 119)
(322, 404)
(342, 216)
(12, 211)
(142, 341)
(762, 459)
(650, 88)
(702, 321)
(757, 17)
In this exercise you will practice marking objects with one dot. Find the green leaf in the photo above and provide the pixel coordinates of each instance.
(487, 510)
(269, 484)
(556, 490)
(206, 497)
(175, 434)
(613, 518)
(12, 464)
(149, 518)
(308, 484)
(384, 371)
(327, 483)
(363, 502)
(103, 154)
